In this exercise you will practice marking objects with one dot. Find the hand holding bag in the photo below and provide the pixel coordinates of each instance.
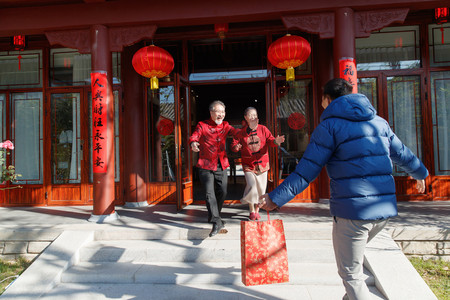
(263, 252)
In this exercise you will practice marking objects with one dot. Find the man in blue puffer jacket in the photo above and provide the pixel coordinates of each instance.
(358, 148)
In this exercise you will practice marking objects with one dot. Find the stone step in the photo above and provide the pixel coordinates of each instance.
(97, 291)
(196, 251)
(200, 231)
(199, 273)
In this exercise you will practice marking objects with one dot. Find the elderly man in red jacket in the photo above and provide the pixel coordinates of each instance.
(209, 139)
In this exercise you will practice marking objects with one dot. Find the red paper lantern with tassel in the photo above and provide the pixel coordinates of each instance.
(441, 15)
(153, 62)
(289, 52)
(221, 29)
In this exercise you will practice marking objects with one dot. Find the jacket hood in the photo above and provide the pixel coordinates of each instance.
(353, 107)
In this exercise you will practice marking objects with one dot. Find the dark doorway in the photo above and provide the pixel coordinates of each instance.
(237, 97)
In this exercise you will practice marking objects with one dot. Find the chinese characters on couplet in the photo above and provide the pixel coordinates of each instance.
(347, 71)
(99, 121)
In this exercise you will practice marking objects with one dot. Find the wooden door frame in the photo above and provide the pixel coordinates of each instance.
(83, 185)
(184, 186)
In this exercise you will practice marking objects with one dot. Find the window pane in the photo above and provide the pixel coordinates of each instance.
(405, 112)
(26, 112)
(116, 134)
(20, 69)
(234, 54)
(440, 95)
(368, 87)
(65, 133)
(70, 68)
(389, 49)
(161, 141)
(293, 112)
(439, 41)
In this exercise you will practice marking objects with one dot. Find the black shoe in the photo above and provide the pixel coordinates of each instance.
(217, 229)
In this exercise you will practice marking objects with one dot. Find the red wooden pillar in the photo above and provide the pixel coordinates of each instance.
(133, 132)
(103, 185)
(344, 46)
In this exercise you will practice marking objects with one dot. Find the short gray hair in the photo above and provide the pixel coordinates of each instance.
(214, 103)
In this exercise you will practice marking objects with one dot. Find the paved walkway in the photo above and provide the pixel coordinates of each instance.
(411, 215)
(419, 216)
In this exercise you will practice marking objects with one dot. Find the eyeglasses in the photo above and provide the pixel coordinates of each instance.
(219, 111)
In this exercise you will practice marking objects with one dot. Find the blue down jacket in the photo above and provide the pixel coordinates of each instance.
(358, 148)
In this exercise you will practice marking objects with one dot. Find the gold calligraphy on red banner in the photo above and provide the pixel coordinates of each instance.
(99, 121)
(347, 71)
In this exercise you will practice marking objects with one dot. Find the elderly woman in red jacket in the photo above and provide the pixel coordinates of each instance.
(253, 141)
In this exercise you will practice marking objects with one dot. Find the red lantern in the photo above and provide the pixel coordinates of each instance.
(153, 62)
(164, 126)
(296, 121)
(19, 42)
(289, 52)
(221, 29)
(441, 15)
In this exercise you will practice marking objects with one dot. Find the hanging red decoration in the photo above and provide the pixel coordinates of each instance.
(221, 29)
(19, 58)
(289, 52)
(153, 62)
(19, 45)
(441, 15)
(19, 42)
(164, 126)
(296, 121)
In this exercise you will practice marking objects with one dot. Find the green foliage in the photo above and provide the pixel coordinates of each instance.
(9, 271)
(8, 173)
(436, 274)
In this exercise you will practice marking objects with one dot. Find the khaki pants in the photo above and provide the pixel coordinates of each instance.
(350, 238)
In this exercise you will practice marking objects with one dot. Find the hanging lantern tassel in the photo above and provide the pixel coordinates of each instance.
(154, 83)
(19, 58)
(442, 34)
(290, 74)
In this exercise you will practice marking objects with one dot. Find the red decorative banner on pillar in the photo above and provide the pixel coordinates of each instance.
(99, 121)
(347, 71)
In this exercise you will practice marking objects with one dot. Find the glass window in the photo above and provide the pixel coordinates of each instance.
(161, 141)
(236, 54)
(293, 112)
(27, 136)
(440, 95)
(65, 133)
(116, 138)
(70, 68)
(368, 87)
(20, 69)
(405, 113)
(439, 42)
(389, 49)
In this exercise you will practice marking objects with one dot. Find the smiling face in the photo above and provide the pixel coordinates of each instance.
(252, 118)
(218, 114)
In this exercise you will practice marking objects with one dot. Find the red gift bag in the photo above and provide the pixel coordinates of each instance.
(263, 252)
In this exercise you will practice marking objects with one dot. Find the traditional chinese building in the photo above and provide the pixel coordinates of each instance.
(88, 129)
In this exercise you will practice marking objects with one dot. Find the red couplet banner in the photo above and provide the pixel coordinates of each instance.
(347, 71)
(99, 121)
